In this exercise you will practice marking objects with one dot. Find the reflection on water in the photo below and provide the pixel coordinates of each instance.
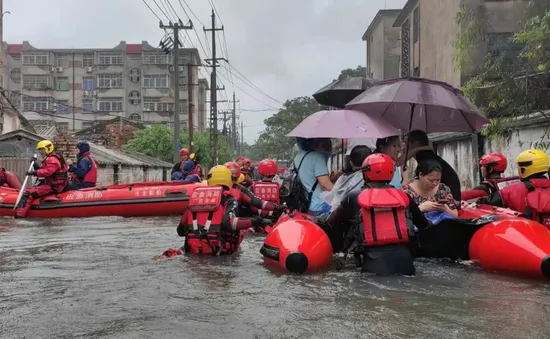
(97, 278)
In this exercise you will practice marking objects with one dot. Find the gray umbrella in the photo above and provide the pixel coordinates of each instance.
(339, 92)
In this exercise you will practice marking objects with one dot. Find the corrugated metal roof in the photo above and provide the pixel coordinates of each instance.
(106, 156)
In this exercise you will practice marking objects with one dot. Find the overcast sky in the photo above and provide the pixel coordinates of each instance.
(286, 48)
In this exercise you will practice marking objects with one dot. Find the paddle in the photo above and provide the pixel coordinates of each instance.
(31, 167)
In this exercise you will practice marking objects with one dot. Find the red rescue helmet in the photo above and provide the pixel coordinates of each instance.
(267, 167)
(494, 161)
(234, 168)
(184, 151)
(246, 162)
(378, 167)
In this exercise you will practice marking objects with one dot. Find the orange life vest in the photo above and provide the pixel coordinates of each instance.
(266, 190)
(204, 223)
(383, 212)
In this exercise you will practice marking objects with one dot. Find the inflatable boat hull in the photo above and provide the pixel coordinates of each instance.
(133, 200)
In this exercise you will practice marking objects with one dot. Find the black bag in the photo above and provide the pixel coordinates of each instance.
(293, 192)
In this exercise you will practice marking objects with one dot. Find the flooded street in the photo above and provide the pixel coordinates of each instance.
(97, 278)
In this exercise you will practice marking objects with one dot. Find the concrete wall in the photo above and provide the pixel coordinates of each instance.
(383, 49)
(375, 50)
(392, 48)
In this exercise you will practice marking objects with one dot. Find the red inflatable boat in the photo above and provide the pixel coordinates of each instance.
(297, 245)
(497, 239)
(132, 200)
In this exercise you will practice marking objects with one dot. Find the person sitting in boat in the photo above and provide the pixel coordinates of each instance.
(246, 169)
(244, 195)
(419, 148)
(187, 174)
(429, 192)
(351, 180)
(492, 167)
(391, 146)
(84, 172)
(198, 168)
(9, 179)
(211, 224)
(178, 166)
(375, 223)
(53, 169)
(266, 188)
(531, 196)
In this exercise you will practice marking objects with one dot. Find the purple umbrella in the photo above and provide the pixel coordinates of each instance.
(420, 104)
(343, 124)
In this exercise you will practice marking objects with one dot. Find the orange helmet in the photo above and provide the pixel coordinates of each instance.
(184, 151)
(267, 167)
(378, 167)
(234, 168)
(494, 161)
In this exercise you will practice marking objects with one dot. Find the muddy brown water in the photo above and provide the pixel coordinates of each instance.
(97, 278)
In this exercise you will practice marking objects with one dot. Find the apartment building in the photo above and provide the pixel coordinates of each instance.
(383, 47)
(72, 88)
(428, 29)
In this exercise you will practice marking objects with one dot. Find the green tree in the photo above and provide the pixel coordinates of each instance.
(358, 71)
(506, 84)
(157, 141)
(273, 142)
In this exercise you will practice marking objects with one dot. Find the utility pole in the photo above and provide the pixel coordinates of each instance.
(224, 129)
(176, 27)
(214, 91)
(190, 104)
(73, 89)
(234, 125)
(242, 137)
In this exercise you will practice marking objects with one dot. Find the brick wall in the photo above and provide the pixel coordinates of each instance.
(65, 144)
(116, 135)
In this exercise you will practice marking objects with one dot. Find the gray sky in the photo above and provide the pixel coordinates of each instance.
(287, 48)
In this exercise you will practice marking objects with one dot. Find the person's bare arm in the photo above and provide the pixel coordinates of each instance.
(325, 183)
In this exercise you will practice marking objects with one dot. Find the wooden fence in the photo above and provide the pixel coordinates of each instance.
(18, 166)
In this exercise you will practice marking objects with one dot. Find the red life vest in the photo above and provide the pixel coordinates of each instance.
(91, 176)
(204, 231)
(383, 211)
(59, 180)
(496, 185)
(538, 200)
(266, 190)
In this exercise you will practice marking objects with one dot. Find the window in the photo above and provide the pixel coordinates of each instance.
(16, 56)
(62, 83)
(63, 60)
(39, 82)
(183, 83)
(62, 127)
(183, 106)
(416, 24)
(87, 106)
(153, 104)
(135, 117)
(62, 106)
(87, 124)
(155, 59)
(155, 81)
(87, 60)
(109, 59)
(35, 104)
(15, 75)
(109, 80)
(134, 98)
(110, 105)
(502, 46)
(87, 83)
(36, 59)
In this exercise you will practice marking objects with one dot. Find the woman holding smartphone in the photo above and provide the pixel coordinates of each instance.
(429, 192)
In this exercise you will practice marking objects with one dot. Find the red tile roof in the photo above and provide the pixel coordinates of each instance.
(133, 48)
(15, 48)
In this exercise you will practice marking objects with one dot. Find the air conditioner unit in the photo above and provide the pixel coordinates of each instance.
(172, 68)
(52, 68)
(89, 69)
(182, 68)
(86, 93)
(94, 93)
(59, 69)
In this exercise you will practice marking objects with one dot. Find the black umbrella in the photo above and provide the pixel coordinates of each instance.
(340, 92)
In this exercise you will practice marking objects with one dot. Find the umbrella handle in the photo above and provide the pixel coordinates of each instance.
(405, 167)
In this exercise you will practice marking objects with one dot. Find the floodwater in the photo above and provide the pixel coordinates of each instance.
(97, 278)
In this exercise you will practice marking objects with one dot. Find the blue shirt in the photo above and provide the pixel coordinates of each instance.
(396, 181)
(314, 165)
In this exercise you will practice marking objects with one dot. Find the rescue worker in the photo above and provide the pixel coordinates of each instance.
(531, 196)
(211, 224)
(246, 169)
(492, 167)
(84, 172)
(198, 169)
(178, 166)
(375, 223)
(53, 169)
(245, 197)
(266, 189)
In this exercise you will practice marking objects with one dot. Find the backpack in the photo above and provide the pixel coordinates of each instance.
(293, 192)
